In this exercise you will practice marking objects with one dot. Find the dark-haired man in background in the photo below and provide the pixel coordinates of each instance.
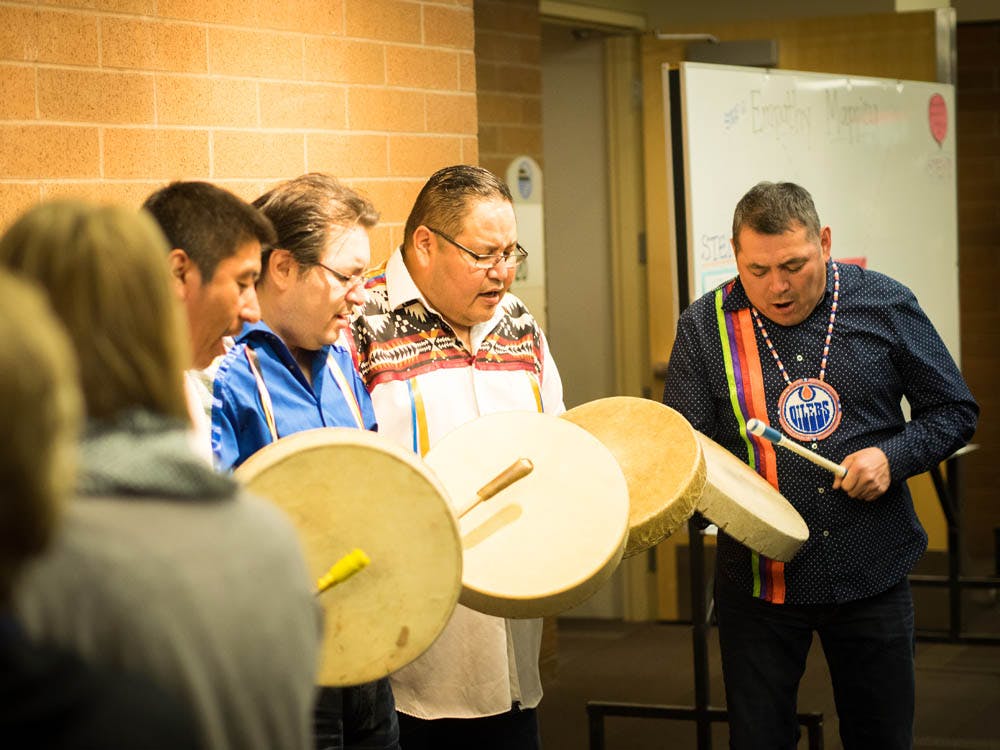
(216, 241)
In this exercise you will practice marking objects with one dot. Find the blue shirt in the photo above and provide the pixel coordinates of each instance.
(883, 348)
(239, 425)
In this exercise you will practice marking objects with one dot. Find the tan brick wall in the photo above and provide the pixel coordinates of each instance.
(509, 81)
(111, 100)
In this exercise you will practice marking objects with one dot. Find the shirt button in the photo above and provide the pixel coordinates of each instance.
(821, 490)
(826, 533)
(798, 357)
(815, 446)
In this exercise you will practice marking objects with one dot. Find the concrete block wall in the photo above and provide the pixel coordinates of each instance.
(509, 81)
(109, 99)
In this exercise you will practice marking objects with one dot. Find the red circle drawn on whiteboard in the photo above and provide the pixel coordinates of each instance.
(937, 115)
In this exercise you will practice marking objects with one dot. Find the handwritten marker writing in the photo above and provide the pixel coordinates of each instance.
(756, 427)
(343, 569)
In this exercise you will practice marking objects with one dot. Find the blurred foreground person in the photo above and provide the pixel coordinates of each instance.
(48, 697)
(165, 568)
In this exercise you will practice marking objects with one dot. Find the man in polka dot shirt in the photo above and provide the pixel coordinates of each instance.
(826, 352)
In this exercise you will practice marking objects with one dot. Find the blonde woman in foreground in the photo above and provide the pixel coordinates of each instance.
(165, 568)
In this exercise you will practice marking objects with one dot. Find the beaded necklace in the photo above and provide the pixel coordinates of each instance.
(808, 408)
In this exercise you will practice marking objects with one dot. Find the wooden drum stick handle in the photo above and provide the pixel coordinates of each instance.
(756, 427)
(517, 470)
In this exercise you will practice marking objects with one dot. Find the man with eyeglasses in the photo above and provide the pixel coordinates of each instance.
(292, 371)
(439, 342)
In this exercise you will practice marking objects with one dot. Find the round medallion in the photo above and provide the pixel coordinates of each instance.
(809, 409)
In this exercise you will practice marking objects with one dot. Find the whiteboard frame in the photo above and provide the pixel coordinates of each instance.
(889, 143)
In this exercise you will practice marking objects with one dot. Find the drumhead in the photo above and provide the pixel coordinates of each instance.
(741, 502)
(345, 489)
(549, 540)
(661, 457)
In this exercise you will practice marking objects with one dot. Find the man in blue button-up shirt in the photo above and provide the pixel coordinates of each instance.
(826, 352)
(292, 371)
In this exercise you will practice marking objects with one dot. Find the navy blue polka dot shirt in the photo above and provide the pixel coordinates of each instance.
(883, 349)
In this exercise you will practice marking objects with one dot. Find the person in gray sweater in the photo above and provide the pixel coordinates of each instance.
(49, 697)
(163, 567)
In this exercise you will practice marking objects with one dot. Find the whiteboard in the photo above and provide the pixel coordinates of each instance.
(877, 155)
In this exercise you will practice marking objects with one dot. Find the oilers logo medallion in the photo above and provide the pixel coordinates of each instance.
(809, 409)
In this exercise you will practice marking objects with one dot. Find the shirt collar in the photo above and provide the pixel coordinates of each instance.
(252, 329)
(261, 330)
(402, 290)
(736, 298)
(399, 285)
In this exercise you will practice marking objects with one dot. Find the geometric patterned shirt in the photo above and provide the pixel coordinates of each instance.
(424, 383)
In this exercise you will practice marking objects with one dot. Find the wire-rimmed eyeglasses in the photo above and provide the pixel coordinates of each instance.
(348, 282)
(509, 258)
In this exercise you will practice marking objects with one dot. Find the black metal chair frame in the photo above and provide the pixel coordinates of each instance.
(949, 492)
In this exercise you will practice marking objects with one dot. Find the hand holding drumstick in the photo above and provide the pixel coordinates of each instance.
(867, 476)
(863, 475)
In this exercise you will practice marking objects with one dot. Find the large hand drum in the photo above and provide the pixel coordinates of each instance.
(741, 502)
(660, 455)
(346, 489)
(549, 540)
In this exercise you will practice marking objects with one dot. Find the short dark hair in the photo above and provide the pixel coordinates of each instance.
(446, 197)
(206, 222)
(306, 211)
(772, 208)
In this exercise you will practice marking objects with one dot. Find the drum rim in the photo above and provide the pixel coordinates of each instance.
(691, 484)
(306, 441)
(782, 549)
(482, 598)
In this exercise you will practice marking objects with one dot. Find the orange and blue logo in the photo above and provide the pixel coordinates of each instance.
(809, 409)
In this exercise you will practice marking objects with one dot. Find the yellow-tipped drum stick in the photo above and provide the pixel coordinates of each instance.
(756, 427)
(343, 569)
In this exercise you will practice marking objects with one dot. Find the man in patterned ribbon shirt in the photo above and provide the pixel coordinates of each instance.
(440, 342)
(827, 351)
